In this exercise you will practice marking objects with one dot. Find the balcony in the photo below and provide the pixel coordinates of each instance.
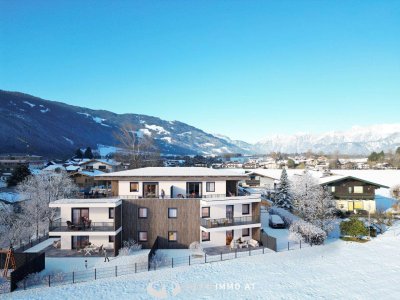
(354, 196)
(225, 222)
(62, 226)
(252, 182)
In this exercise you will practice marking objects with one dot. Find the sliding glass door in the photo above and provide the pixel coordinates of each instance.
(150, 190)
(80, 214)
(79, 242)
(193, 189)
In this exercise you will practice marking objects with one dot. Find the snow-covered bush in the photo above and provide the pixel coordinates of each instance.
(4, 286)
(310, 233)
(129, 247)
(159, 259)
(196, 248)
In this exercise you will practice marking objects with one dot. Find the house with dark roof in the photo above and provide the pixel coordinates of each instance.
(352, 193)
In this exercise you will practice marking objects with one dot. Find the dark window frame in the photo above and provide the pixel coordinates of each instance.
(111, 215)
(209, 210)
(209, 236)
(208, 190)
(111, 238)
(248, 212)
(130, 186)
(169, 208)
(248, 229)
(147, 213)
(173, 241)
(147, 236)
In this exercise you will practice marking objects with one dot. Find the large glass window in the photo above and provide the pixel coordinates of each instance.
(134, 187)
(111, 213)
(142, 212)
(80, 215)
(245, 209)
(172, 213)
(210, 186)
(205, 212)
(246, 232)
(193, 189)
(150, 190)
(205, 236)
(142, 236)
(172, 236)
(358, 189)
(79, 242)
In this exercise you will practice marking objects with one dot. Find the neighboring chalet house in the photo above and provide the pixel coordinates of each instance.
(352, 193)
(86, 179)
(103, 165)
(81, 222)
(258, 179)
(183, 205)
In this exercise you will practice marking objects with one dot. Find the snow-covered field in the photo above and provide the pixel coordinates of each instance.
(338, 270)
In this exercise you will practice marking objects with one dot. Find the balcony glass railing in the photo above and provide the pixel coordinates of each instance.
(224, 222)
(66, 225)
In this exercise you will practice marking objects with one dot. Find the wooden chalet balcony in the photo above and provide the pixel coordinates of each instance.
(253, 182)
(225, 222)
(353, 196)
(62, 226)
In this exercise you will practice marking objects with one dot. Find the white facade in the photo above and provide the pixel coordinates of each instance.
(101, 228)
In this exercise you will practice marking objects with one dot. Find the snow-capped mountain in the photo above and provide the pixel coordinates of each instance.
(31, 124)
(357, 140)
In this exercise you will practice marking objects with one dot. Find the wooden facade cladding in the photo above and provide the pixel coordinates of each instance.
(342, 190)
(117, 217)
(157, 223)
(114, 187)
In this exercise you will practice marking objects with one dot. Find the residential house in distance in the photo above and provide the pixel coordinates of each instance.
(183, 205)
(103, 165)
(81, 222)
(352, 193)
(258, 178)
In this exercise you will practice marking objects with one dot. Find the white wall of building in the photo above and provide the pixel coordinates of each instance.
(218, 238)
(179, 187)
(96, 214)
(219, 211)
(97, 240)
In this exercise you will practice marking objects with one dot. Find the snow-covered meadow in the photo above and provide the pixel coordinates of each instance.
(337, 270)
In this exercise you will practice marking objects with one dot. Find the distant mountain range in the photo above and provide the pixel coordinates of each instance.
(32, 125)
(358, 140)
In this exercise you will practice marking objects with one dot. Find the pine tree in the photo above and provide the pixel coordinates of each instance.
(18, 175)
(88, 153)
(283, 196)
(78, 153)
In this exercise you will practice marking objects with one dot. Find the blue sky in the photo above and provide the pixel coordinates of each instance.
(245, 69)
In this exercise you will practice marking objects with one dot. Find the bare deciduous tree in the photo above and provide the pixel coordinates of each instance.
(14, 226)
(40, 190)
(138, 148)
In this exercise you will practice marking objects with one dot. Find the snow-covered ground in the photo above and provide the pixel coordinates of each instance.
(338, 270)
(69, 264)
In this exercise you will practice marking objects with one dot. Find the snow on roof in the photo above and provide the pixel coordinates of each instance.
(86, 201)
(335, 178)
(53, 167)
(176, 171)
(91, 173)
(72, 168)
(104, 161)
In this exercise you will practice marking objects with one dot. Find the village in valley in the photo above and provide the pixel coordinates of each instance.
(76, 220)
(199, 150)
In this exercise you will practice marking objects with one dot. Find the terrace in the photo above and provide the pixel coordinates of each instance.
(60, 225)
(225, 222)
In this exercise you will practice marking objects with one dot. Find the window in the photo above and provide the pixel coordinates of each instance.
(111, 238)
(205, 212)
(102, 167)
(358, 190)
(246, 232)
(172, 236)
(134, 187)
(111, 213)
(172, 213)
(205, 236)
(142, 236)
(245, 209)
(210, 187)
(142, 212)
(332, 189)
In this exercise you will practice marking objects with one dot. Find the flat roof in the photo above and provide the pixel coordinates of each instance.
(91, 201)
(175, 172)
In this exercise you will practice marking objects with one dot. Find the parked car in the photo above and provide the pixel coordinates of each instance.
(276, 221)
